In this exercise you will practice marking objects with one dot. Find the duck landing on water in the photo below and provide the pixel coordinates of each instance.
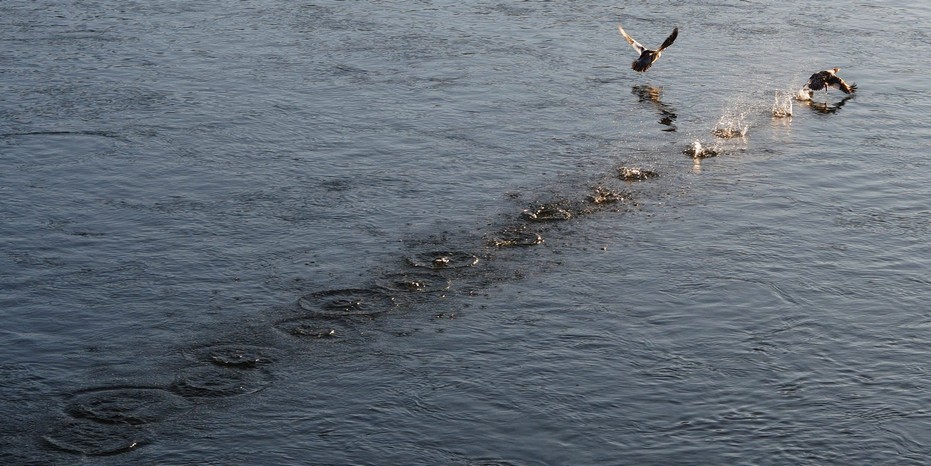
(647, 57)
(824, 80)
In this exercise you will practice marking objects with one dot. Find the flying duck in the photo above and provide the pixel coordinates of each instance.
(828, 78)
(647, 56)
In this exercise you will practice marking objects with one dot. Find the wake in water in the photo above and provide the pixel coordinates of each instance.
(733, 124)
(736, 120)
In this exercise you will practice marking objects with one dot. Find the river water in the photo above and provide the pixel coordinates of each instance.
(376, 232)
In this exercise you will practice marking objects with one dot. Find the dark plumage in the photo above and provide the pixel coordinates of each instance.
(647, 56)
(829, 79)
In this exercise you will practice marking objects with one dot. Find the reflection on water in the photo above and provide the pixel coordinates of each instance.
(653, 95)
(826, 107)
(696, 166)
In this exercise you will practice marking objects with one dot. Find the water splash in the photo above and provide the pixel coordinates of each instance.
(697, 151)
(782, 104)
(803, 95)
(734, 122)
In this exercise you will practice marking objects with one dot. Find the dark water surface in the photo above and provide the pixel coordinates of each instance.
(267, 232)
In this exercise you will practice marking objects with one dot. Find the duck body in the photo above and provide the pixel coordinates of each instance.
(828, 79)
(647, 56)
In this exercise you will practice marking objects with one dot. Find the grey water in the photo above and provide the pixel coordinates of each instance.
(182, 184)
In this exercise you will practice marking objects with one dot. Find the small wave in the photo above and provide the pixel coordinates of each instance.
(103, 134)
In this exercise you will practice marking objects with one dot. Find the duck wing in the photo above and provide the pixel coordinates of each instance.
(669, 40)
(630, 40)
(836, 81)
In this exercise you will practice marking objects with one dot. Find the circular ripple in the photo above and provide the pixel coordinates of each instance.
(133, 406)
(233, 355)
(314, 329)
(95, 439)
(414, 283)
(443, 260)
(546, 213)
(347, 302)
(218, 381)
